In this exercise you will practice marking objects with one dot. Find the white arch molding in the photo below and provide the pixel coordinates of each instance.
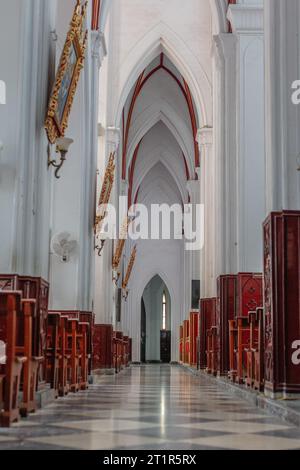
(160, 39)
(175, 124)
(135, 303)
(157, 160)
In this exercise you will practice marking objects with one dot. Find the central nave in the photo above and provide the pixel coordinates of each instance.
(161, 407)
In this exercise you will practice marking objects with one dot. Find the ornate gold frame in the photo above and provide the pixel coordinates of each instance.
(107, 186)
(76, 39)
(128, 273)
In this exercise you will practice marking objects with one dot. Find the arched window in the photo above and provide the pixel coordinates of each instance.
(164, 311)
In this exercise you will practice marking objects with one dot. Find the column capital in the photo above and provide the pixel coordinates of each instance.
(113, 138)
(98, 46)
(205, 136)
(224, 47)
(246, 18)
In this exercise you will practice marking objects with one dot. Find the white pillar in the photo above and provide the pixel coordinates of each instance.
(105, 304)
(192, 257)
(208, 198)
(224, 80)
(27, 64)
(282, 117)
(247, 23)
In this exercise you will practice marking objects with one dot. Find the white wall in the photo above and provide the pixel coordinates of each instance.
(26, 54)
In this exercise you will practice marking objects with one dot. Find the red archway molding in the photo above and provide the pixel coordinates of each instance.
(96, 14)
(138, 88)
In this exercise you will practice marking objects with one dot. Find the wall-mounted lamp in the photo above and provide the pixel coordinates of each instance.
(125, 294)
(116, 277)
(62, 146)
(99, 247)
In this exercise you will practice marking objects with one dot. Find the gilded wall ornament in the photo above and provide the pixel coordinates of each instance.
(71, 63)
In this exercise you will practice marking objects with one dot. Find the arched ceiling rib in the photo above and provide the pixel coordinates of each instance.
(142, 81)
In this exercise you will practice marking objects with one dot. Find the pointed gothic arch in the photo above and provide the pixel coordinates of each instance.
(162, 39)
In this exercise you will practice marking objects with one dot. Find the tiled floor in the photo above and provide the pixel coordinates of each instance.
(151, 407)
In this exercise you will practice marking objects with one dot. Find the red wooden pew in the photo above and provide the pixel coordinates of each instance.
(53, 356)
(10, 372)
(38, 289)
(24, 348)
(207, 322)
(181, 344)
(194, 332)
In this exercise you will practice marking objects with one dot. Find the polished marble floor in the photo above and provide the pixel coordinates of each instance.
(151, 407)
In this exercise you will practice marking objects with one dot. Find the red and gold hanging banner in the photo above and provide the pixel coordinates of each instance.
(105, 193)
(120, 245)
(129, 271)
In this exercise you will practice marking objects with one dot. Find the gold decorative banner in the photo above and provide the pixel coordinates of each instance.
(65, 85)
(120, 245)
(129, 271)
(107, 186)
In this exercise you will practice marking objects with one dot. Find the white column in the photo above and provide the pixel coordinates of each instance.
(282, 117)
(192, 257)
(105, 301)
(208, 198)
(89, 277)
(247, 23)
(27, 63)
(224, 80)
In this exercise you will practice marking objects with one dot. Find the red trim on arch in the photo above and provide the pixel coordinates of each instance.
(138, 88)
(131, 172)
(137, 195)
(96, 14)
(194, 122)
(230, 2)
(128, 123)
(186, 167)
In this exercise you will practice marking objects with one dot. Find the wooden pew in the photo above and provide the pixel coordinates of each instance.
(130, 351)
(10, 372)
(215, 351)
(194, 331)
(208, 351)
(253, 343)
(248, 298)
(239, 331)
(186, 341)
(115, 352)
(85, 317)
(259, 352)
(120, 357)
(232, 373)
(226, 310)
(53, 356)
(24, 348)
(207, 322)
(38, 289)
(103, 347)
(126, 350)
(181, 344)
(255, 353)
(73, 353)
(64, 357)
(82, 346)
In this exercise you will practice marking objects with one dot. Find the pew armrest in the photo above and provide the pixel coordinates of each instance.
(38, 358)
(21, 359)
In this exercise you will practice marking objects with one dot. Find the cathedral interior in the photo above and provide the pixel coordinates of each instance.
(150, 225)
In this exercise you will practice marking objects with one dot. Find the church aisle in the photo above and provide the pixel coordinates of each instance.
(151, 407)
